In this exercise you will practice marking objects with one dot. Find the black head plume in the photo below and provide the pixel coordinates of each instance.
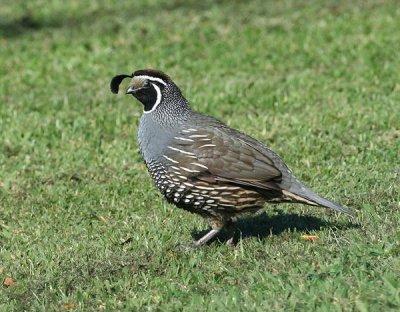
(116, 81)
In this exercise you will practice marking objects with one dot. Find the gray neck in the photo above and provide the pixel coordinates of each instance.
(159, 127)
(173, 108)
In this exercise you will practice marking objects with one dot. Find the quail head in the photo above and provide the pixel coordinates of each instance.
(203, 166)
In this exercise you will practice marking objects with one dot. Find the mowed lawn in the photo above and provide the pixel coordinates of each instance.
(82, 227)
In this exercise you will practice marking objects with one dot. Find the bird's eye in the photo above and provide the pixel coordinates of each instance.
(146, 84)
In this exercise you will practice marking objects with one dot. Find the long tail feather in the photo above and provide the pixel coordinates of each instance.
(306, 196)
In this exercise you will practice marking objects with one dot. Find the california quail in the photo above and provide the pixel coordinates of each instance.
(205, 167)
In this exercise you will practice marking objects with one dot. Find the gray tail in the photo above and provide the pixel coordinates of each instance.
(306, 196)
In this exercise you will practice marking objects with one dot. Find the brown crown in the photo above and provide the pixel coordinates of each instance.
(152, 73)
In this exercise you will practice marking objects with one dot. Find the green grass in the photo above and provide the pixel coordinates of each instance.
(80, 220)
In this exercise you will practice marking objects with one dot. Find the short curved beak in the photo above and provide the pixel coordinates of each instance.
(130, 90)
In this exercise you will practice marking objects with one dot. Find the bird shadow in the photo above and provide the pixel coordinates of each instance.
(262, 225)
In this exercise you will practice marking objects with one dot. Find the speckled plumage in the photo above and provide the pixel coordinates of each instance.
(201, 165)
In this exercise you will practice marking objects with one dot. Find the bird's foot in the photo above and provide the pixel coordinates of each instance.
(231, 242)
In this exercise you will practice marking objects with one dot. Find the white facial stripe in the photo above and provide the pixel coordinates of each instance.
(158, 99)
(152, 79)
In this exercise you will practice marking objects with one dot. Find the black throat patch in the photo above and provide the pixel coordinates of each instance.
(150, 97)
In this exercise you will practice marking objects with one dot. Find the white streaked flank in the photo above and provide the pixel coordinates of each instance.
(189, 170)
(189, 130)
(183, 139)
(170, 159)
(204, 187)
(233, 188)
(192, 156)
(225, 193)
(199, 165)
(207, 145)
(178, 150)
(198, 136)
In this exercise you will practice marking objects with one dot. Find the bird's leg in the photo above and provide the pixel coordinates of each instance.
(231, 227)
(206, 237)
(216, 226)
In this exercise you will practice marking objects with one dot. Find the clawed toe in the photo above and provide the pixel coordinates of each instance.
(231, 242)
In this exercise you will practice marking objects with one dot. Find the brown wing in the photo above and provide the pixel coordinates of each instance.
(217, 164)
(214, 155)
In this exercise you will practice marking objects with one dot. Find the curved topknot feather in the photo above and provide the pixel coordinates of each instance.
(116, 81)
